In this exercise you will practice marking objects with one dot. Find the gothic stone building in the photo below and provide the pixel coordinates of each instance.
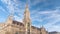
(14, 27)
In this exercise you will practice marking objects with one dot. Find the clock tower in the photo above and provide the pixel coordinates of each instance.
(26, 20)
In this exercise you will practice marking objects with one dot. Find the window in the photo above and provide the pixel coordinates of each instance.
(17, 23)
(41, 33)
(13, 22)
(28, 28)
(28, 25)
(16, 33)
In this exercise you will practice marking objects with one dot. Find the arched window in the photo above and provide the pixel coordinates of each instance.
(28, 25)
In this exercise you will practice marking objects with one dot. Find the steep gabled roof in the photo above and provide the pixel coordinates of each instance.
(18, 23)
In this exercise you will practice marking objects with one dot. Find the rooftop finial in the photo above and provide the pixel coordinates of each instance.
(26, 3)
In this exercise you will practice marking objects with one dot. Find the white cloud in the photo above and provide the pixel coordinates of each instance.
(2, 19)
(53, 18)
(18, 18)
(36, 1)
(13, 7)
(35, 14)
(54, 28)
(2, 10)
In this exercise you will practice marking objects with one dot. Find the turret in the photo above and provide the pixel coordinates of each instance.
(42, 30)
(10, 18)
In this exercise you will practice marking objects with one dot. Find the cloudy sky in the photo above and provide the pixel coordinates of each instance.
(43, 12)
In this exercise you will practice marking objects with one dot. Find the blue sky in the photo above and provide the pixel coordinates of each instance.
(43, 12)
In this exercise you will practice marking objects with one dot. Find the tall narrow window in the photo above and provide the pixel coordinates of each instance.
(16, 33)
(28, 28)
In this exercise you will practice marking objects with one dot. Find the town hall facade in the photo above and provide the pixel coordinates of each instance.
(14, 27)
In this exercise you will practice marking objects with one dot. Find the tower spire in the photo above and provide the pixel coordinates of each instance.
(27, 13)
(26, 19)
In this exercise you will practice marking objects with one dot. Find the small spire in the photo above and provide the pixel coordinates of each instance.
(11, 15)
(10, 18)
(27, 13)
(42, 26)
(26, 3)
(26, 8)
